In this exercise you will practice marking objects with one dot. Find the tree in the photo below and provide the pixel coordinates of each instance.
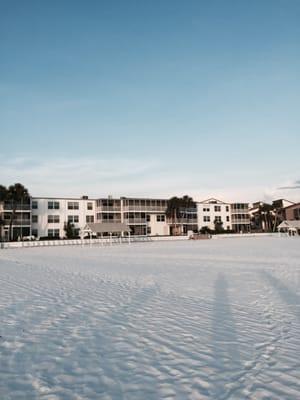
(70, 231)
(176, 208)
(3, 196)
(218, 226)
(205, 230)
(266, 217)
(3, 193)
(16, 195)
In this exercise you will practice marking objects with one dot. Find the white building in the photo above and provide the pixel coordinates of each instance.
(50, 215)
(211, 211)
(143, 216)
(240, 217)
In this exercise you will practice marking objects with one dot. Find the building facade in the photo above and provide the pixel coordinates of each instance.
(240, 217)
(20, 216)
(142, 216)
(292, 212)
(212, 212)
(50, 215)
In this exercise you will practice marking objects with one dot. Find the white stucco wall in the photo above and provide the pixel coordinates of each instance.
(63, 212)
(224, 214)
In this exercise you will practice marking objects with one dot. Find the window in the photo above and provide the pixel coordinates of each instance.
(206, 218)
(34, 219)
(217, 208)
(227, 208)
(148, 230)
(34, 232)
(34, 205)
(53, 205)
(148, 218)
(218, 219)
(160, 218)
(227, 218)
(73, 218)
(53, 219)
(73, 205)
(53, 233)
(89, 205)
(89, 218)
(206, 209)
(296, 213)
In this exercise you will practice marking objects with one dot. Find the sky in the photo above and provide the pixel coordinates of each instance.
(151, 98)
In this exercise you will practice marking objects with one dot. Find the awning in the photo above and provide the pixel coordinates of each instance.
(292, 225)
(109, 227)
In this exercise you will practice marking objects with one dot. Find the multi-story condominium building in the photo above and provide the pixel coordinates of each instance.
(21, 222)
(50, 215)
(292, 212)
(143, 216)
(214, 211)
(279, 207)
(240, 217)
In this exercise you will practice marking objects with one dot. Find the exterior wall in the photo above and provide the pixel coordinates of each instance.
(158, 227)
(292, 212)
(42, 226)
(143, 216)
(22, 223)
(108, 210)
(240, 217)
(208, 210)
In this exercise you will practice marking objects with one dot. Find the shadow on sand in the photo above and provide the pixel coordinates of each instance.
(291, 298)
(224, 341)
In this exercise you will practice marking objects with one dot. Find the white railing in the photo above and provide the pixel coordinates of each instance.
(83, 242)
(244, 235)
(145, 208)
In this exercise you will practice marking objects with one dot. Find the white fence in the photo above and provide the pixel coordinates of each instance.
(83, 242)
(246, 235)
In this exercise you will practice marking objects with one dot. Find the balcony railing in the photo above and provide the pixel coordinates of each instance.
(109, 208)
(18, 222)
(129, 221)
(145, 208)
(240, 221)
(18, 207)
(114, 221)
(183, 221)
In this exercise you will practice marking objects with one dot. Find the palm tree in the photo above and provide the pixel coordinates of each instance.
(177, 206)
(16, 194)
(266, 216)
(3, 197)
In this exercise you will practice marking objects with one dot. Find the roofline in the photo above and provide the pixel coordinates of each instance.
(60, 198)
(292, 205)
(213, 198)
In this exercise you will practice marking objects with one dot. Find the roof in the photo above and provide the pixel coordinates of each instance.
(212, 200)
(110, 227)
(292, 205)
(295, 224)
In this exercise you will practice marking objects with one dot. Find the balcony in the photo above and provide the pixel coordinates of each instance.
(183, 221)
(145, 208)
(140, 221)
(18, 207)
(108, 208)
(241, 221)
(18, 222)
(108, 221)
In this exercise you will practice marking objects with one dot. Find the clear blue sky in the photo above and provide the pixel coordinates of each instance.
(151, 97)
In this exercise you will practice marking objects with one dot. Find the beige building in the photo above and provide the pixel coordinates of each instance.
(292, 212)
(240, 217)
